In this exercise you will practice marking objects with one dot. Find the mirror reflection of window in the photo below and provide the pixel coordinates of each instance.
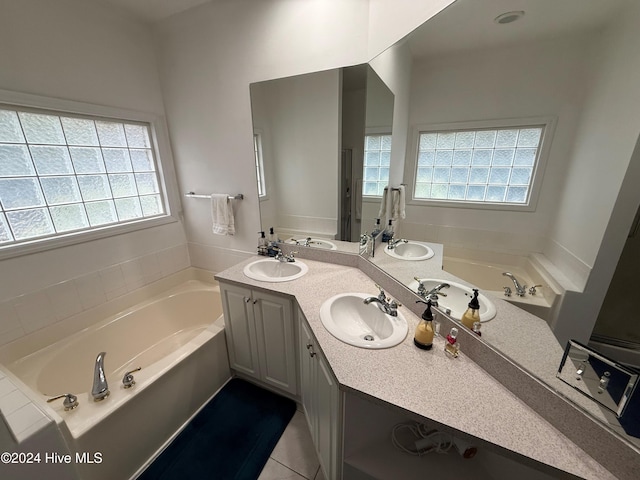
(495, 165)
(377, 158)
(257, 148)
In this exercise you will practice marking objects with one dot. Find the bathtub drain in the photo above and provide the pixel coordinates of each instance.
(369, 338)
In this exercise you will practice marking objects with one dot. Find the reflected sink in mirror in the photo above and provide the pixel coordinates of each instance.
(272, 270)
(350, 320)
(312, 242)
(457, 298)
(410, 250)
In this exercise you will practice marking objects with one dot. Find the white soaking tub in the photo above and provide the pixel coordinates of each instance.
(176, 337)
(485, 271)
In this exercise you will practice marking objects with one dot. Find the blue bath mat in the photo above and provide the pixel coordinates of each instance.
(231, 438)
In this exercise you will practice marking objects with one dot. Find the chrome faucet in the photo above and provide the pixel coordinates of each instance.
(100, 389)
(281, 257)
(520, 289)
(433, 293)
(394, 243)
(387, 306)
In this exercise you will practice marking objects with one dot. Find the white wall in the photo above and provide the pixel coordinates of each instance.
(541, 79)
(601, 195)
(210, 55)
(75, 50)
(302, 114)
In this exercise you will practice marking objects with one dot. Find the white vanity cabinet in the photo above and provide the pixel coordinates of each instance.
(320, 401)
(261, 335)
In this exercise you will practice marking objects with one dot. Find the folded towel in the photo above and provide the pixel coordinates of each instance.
(222, 215)
(398, 203)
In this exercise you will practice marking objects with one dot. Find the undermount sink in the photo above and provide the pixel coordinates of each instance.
(272, 270)
(410, 250)
(350, 320)
(457, 298)
(313, 242)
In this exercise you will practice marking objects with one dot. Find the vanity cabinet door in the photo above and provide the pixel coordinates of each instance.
(320, 401)
(276, 341)
(237, 304)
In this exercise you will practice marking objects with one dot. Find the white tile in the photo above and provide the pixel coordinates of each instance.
(11, 335)
(113, 282)
(150, 268)
(133, 275)
(34, 310)
(24, 418)
(6, 387)
(89, 288)
(295, 448)
(33, 429)
(276, 471)
(13, 401)
(8, 317)
(64, 299)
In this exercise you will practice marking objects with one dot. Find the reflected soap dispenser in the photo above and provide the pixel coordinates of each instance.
(273, 238)
(423, 337)
(472, 315)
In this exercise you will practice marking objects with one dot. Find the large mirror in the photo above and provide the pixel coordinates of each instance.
(571, 63)
(310, 134)
(566, 65)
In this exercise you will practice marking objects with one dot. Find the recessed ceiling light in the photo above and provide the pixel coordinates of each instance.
(509, 17)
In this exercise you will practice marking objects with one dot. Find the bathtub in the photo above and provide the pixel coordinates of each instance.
(176, 337)
(485, 271)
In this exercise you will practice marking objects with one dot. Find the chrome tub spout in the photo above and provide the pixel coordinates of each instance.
(100, 389)
(520, 289)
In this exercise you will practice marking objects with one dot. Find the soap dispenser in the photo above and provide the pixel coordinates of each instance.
(273, 238)
(262, 244)
(376, 228)
(472, 314)
(423, 337)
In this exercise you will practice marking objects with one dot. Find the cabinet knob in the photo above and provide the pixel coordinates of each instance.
(309, 346)
(312, 354)
(255, 301)
(247, 299)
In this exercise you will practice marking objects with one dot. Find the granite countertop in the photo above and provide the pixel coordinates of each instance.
(427, 384)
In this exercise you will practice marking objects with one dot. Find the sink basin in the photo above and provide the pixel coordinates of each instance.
(348, 319)
(272, 270)
(457, 298)
(313, 242)
(411, 250)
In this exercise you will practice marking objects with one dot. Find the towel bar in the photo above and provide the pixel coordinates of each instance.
(239, 196)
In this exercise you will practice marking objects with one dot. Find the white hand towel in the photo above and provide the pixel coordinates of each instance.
(398, 203)
(383, 203)
(222, 215)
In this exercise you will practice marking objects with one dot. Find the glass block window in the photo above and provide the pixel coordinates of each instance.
(377, 158)
(257, 150)
(61, 173)
(480, 166)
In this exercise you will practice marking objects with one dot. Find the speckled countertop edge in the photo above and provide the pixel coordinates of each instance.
(453, 392)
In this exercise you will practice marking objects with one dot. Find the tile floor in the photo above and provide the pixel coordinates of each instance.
(294, 457)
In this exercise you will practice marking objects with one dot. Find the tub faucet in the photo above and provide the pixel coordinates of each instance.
(387, 306)
(520, 289)
(100, 389)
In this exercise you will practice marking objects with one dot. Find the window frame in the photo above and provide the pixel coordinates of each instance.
(258, 149)
(161, 152)
(547, 122)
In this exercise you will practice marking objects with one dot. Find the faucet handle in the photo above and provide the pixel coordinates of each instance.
(382, 295)
(532, 290)
(127, 380)
(507, 291)
(69, 403)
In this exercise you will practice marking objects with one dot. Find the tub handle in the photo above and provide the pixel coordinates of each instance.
(127, 380)
(69, 403)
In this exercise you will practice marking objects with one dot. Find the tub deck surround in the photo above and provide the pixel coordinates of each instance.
(452, 392)
(173, 329)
